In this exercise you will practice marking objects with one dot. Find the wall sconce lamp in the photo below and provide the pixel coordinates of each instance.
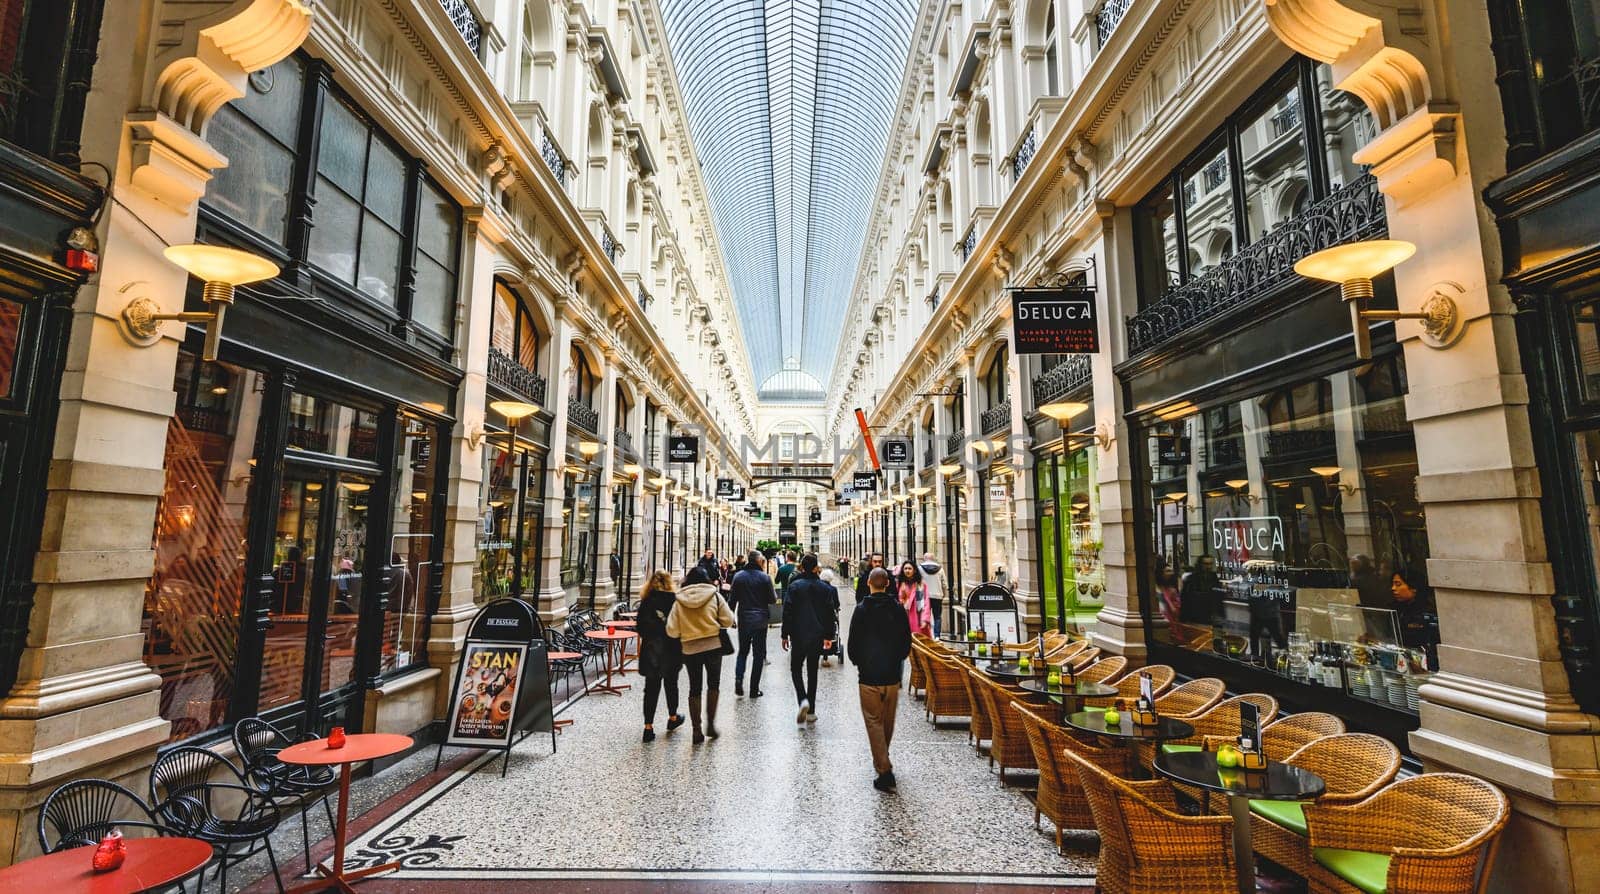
(513, 410)
(221, 269)
(948, 469)
(1330, 477)
(1353, 266)
(1241, 488)
(632, 470)
(1176, 496)
(920, 491)
(589, 449)
(1100, 436)
(1062, 411)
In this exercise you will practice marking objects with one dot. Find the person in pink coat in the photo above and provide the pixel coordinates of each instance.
(913, 595)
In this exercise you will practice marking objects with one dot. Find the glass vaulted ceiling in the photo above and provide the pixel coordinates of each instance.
(790, 103)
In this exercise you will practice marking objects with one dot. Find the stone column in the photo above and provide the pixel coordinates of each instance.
(604, 467)
(84, 703)
(973, 541)
(1502, 707)
(552, 595)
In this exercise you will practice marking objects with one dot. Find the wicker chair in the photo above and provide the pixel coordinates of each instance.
(1290, 733)
(919, 674)
(1191, 699)
(1008, 740)
(1437, 832)
(1106, 670)
(1067, 652)
(1161, 677)
(982, 727)
(947, 688)
(1146, 845)
(1353, 765)
(1084, 658)
(1060, 797)
(1219, 722)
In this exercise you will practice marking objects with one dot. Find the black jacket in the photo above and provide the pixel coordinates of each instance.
(1200, 597)
(880, 640)
(861, 583)
(808, 612)
(658, 653)
(753, 595)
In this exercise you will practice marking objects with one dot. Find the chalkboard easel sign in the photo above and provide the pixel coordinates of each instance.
(992, 609)
(502, 682)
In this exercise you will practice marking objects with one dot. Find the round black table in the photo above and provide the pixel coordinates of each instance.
(1010, 670)
(1130, 733)
(1274, 782)
(1069, 692)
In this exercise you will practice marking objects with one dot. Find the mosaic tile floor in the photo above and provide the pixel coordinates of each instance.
(768, 802)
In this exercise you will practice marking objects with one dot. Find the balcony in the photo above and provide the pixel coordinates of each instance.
(466, 22)
(610, 244)
(1064, 378)
(582, 416)
(1025, 152)
(954, 443)
(968, 243)
(996, 418)
(508, 375)
(204, 419)
(1106, 18)
(622, 440)
(1264, 270)
(1287, 119)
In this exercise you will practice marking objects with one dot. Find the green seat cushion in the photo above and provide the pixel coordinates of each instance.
(1289, 814)
(1364, 869)
(1095, 709)
(1172, 748)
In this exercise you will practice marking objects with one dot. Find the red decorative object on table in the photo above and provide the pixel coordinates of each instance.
(111, 853)
(336, 737)
(611, 629)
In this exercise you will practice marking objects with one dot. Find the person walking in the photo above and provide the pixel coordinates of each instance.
(708, 563)
(785, 572)
(809, 628)
(934, 583)
(913, 597)
(660, 657)
(875, 560)
(879, 643)
(697, 620)
(752, 599)
(831, 581)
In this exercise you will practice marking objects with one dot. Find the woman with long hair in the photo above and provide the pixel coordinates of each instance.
(659, 655)
(914, 598)
(697, 621)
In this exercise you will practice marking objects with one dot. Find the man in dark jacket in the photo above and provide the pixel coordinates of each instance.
(708, 562)
(879, 643)
(873, 561)
(752, 599)
(809, 627)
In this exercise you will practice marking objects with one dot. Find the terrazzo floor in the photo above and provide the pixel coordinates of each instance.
(771, 805)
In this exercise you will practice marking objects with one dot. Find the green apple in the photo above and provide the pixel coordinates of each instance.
(1112, 717)
(1228, 757)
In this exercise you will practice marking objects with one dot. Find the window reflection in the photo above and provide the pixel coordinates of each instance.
(1208, 211)
(410, 557)
(1277, 173)
(10, 332)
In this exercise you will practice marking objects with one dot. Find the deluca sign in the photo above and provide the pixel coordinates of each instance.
(1238, 540)
(1055, 320)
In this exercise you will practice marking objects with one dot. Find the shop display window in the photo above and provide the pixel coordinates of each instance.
(10, 334)
(191, 605)
(1303, 549)
(406, 610)
(257, 133)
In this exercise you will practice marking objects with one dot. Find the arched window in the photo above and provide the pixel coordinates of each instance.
(583, 378)
(1052, 55)
(525, 54)
(513, 331)
(994, 380)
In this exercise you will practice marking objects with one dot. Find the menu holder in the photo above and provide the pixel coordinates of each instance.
(1251, 756)
(1144, 710)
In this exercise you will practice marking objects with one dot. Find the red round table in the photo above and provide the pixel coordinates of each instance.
(151, 863)
(615, 642)
(358, 747)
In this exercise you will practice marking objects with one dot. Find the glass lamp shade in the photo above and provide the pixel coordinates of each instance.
(921, 491)
(633, 469)
(1355, 260)
(216, 263)
(588, 448)
(514, 410)
(1237, 483)
(1326, 471)
(1063, 410)
(949, 468)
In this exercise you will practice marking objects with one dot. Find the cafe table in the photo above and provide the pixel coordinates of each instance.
(1010, 670)
(1274, 782)
(1129, 733)
(615, 641)
(1068, 691)
(358, 747)
(151, 864)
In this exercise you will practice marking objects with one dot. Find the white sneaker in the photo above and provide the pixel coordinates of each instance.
(811, 716)
(805, 710)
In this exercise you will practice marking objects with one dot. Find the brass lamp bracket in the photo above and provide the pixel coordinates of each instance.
(1442, 325)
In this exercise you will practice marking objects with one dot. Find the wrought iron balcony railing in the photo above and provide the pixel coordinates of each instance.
(954, 443)
(965, 247)
(622, 440)
(204, 419)
(1287, 119)
(610, 245)
(1107, 17)
(583, 416)
(1068, 376)
(997, 417)
(1265, 267)
(554, 158)
(509, 375)
(1025, 153)
(466, 22)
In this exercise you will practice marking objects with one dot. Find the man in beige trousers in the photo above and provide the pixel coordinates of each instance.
(879, 643)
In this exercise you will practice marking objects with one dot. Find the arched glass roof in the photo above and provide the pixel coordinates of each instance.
(790, 102)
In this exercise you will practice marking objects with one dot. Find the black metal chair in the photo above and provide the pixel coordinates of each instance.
(258, 743)
(560, 642)
(190, 800)
(83, 811)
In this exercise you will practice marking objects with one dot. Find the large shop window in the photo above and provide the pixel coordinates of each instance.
(1254, 174)
(1070, 540)
(368, 214)
(1286, 534)
(510, 521)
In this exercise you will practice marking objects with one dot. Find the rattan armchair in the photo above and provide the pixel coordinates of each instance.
(1191, 699)
(919, 674)
(1354, 766)
(1428, 834)
(1106, 670)
(1161, 677)
(1290, 733)
(1060, 797)
(947, 688)
(1066, 652)
(982, 727)
(1218, 722)
(1008, 740)
(1147, 846)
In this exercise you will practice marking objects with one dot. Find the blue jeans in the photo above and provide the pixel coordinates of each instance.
(934, 605)
(752, 639)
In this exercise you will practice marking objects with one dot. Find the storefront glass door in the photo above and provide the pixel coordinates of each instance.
(319, 555)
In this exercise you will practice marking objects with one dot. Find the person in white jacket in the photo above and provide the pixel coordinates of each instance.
(935, 584)
(696, 621)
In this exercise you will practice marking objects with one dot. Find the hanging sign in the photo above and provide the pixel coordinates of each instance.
(896, 454)
(1172, 450)
(683, 449)
(724, 487)
(843, 497)
(1054, 320)
(865, 483)
(816, 515)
